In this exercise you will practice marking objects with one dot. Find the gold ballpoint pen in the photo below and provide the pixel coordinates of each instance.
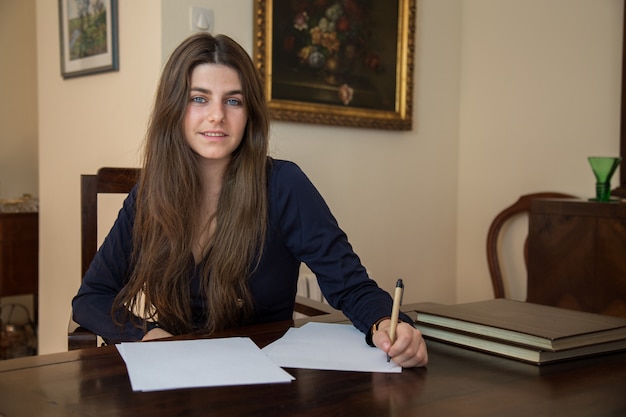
(395, 312)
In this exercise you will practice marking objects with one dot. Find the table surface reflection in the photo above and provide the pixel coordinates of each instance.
(457, 382)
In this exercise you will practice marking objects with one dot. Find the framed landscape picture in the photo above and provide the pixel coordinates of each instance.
(88, 36)
(337, 62)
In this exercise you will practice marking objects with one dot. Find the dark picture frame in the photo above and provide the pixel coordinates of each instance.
(88, 32)
(345, 63)
(620, 191)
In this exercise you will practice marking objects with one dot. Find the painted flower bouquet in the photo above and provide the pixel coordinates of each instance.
(332, 40)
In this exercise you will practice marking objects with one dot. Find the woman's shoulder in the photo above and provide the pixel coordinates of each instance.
(282, 170)
(279, 165)
(287, 176)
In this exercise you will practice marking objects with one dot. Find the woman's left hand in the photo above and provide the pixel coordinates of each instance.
(156, 333)
(408, 350)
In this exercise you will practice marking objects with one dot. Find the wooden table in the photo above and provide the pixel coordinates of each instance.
(457, 382)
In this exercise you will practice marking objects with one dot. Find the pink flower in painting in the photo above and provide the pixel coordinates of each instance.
(345, 94)
(301, 21)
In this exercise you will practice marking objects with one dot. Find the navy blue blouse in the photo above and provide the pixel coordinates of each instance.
(301, 228)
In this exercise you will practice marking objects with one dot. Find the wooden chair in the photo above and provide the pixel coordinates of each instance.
(521, 206)
(105, 181)
(121, 181)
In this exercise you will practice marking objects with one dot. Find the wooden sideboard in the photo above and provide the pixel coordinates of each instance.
(577, 255)
(19, 254)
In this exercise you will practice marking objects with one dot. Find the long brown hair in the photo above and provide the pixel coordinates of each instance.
(169, 197)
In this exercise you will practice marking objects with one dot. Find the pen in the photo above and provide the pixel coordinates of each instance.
(395, 312)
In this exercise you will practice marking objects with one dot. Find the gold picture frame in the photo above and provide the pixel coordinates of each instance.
(345, 63)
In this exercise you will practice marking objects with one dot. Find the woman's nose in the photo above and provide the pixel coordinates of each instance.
(216, 113)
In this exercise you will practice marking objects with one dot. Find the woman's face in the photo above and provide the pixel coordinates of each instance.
(215, 118)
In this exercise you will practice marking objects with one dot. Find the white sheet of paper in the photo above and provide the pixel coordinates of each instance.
(328, 346)
(165, 365)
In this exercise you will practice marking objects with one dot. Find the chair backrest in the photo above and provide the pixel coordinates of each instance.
(105, 181)
(521, 206)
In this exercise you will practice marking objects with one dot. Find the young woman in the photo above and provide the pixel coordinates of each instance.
(213, 235)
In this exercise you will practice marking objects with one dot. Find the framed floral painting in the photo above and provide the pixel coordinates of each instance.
(88, 35)
(337, 62)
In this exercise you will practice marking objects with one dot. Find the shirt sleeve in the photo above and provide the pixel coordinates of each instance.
(313, 235)
(107, 274)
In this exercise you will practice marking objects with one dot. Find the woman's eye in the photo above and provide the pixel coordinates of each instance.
(233, 102)
(198, 99)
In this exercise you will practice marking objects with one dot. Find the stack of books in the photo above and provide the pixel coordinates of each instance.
(524, 331)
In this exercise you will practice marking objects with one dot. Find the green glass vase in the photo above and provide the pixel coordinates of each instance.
(603, 168)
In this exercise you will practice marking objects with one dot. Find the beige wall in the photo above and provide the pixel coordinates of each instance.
(85, 123)
(18, 104)
(502, 88)
(18, 112)
(540, 91)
